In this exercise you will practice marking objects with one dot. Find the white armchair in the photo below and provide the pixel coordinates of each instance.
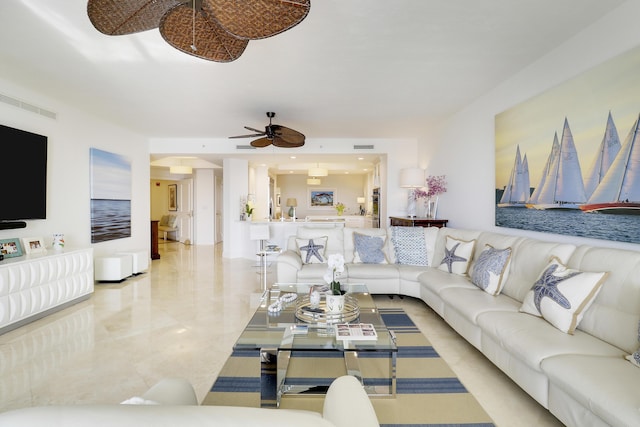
(168, 224)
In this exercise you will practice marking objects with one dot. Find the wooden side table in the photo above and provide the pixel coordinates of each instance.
(154, 240)
(418, 222)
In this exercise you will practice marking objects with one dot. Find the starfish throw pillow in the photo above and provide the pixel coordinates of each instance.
(457, 255)
(312, 250)
(635, 357)
(491, 269)
(561, 295)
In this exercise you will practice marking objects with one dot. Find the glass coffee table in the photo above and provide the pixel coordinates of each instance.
(278, 334)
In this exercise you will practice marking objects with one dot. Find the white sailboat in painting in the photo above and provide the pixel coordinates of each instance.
(563, 187)
(548, 172)
(605, 156)
(619, 191)
(516, 192)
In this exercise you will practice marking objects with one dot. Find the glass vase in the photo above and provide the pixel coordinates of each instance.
(432, 207)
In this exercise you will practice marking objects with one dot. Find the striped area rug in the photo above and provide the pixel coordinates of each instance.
(427, 391)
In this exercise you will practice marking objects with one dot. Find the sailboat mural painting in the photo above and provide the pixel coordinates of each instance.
(582, 119)
(619, 190)
(563, 188)
(516, 193)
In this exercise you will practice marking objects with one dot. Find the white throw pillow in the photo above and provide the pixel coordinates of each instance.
(491, 269)
(561, 295)
(312, 250)
(457, 255)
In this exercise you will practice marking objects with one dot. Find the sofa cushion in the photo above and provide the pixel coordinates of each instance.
(561, 295)
(615, 313)
(491, 269)
(529, 258)
(369, 249)
(409, 245)
(457, 256)
(608, 386)
(164, 220)
(312, 250)
(530, 339)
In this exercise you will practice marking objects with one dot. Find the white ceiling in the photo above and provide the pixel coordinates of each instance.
(352, 68)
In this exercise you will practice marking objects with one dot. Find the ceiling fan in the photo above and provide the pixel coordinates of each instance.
(216, 30)
(277, 135)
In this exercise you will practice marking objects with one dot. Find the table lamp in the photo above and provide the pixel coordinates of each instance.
(292, 203)
(411, 178)
(360, 201)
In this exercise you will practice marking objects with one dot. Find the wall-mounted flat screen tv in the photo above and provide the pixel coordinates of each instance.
(24, 174)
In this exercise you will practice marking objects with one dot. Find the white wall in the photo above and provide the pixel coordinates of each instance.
(204, 207)
(463, 147)
(68, 205)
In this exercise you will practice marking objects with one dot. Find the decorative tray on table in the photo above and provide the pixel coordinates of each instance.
(320, 315)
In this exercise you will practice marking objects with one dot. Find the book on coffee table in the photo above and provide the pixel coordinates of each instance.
(355, 331)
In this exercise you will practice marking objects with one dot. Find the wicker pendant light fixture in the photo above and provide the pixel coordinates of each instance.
(216, 30)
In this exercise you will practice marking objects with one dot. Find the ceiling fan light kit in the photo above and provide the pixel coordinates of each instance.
(215, 30)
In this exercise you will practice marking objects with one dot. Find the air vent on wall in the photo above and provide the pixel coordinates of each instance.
(245, 147)
(363, 147)
(26, 106)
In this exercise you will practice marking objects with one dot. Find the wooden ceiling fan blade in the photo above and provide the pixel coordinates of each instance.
(261, 132)
(116, 18)
(282, 143)
(253, 135)
(288, 134)
(261, 143)
(203, 38)
(258, 19)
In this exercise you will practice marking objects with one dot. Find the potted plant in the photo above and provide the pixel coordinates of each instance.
(335, 297)
(248, 210)
(340, 208)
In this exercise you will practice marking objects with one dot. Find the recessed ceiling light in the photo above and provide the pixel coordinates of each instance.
(292, 157)
(360, 158)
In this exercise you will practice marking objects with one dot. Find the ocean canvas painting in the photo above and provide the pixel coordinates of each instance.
(110, 196)
(568, 160)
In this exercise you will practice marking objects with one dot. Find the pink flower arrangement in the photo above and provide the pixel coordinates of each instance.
(436, 185)
(420, 194)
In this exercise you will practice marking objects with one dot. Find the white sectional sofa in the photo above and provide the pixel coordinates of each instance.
(583, 378)
(172, 402)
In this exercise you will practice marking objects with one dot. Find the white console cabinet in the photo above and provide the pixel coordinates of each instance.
(33, 286)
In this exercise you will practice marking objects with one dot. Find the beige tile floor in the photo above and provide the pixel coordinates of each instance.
(182, 319)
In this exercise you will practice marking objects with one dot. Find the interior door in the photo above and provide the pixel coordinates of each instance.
(185, 210)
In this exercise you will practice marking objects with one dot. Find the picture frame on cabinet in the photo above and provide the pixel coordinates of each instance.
(10, 248)
(33, 245)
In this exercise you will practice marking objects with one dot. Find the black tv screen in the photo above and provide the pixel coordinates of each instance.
(24, 183)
